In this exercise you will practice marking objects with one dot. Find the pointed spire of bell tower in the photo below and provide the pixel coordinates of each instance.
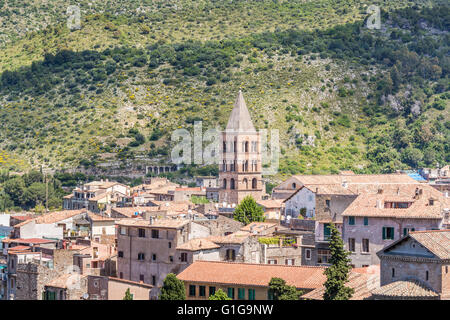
(240, 119)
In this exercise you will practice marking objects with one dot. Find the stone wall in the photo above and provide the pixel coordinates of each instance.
(407, 269)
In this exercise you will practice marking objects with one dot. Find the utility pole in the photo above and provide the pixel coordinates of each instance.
(46, 193)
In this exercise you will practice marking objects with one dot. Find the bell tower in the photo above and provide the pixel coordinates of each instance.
(240, 150)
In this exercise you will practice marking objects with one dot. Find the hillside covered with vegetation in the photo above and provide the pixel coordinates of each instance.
(341, 95)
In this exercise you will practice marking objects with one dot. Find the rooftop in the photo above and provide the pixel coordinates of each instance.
(247, 274)
(373, 204)
(53, 217)
(157, 223)
(198, 244)
(362, 280)
(405, 288)
(437, 241)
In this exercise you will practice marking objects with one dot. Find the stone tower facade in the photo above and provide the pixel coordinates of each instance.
(241, 162)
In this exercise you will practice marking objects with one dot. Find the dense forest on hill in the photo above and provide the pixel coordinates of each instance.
(342, 96)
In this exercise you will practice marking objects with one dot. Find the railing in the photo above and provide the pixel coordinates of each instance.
(323, 239)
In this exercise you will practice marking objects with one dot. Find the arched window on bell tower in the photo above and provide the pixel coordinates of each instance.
(224, 146)
(231, 183)
(245, 183)
(254, 183)
(224, 183)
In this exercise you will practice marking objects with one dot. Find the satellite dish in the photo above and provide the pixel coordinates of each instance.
(86, 296)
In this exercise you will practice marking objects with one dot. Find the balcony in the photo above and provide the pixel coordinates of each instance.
(323, 239)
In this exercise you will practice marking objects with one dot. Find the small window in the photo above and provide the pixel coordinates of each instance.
(170, 245)
(365, 245)
(121, 275)
(155, 234)
(388, 233)
(141, 233)
(241, 293)
(290, 262)
(191, 290)
(154, 280)
(308, 254)
(120, 254)
(183, 257)
(351, 244)
(351, 221)
(251, 294)
(141, 277)
(426, 275)
(141, 256)
(327, 203)
(231, 293)
(393, 272)
(154, 257)
(171, 258)
(123, 231)
(212, 291)
(272, 261)
(202, 291)
(366, 221)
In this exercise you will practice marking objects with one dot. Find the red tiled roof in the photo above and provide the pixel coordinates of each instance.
(405, 288)
(29, 240)
(362, 283)
(257, 275)
(198, 244)
(437, 241)
(52, 217)
(420, 208)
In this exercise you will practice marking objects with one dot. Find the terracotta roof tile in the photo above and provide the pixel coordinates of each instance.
(252, 274)
(437, 241)
(158, 223)
(362, 283)
(198, 244)
(405, 288)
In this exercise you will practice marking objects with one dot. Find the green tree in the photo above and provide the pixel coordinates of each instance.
(248, 211)
(173, 288)
(282, 291)
(15, 188)
(337, 273)
(219, 295)
(128, 295)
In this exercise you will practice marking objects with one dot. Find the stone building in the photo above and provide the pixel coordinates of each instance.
(111, 288)
(146, 249)
(416, 267)
(241, 163)
(32, 275)
(96, 195)
(68, 286)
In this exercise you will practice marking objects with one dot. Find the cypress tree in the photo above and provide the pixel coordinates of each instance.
(337, 273)
(172, 289)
